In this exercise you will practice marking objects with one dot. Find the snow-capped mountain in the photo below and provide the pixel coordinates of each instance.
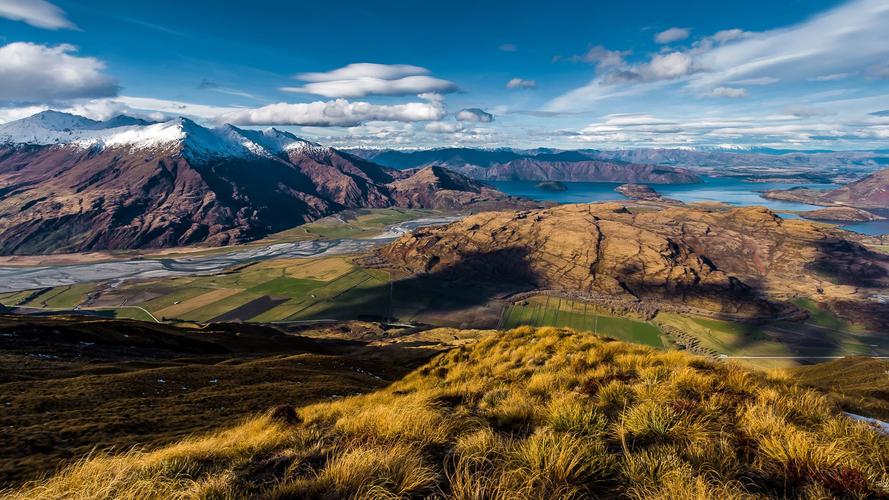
(179, 134)
(68, 184)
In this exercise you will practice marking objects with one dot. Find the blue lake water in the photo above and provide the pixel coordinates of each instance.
(729, 190)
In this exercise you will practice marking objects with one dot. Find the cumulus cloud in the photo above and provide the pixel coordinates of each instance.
(474, 115)
(364, 79)
(39, 13)
(733, 92)
(339, 112)
(31, 72)
(672, 35)
(508, 47)
(520, 83)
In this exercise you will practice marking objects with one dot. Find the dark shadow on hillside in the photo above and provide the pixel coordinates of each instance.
(475, 280)
(84, 384)
(847, 263)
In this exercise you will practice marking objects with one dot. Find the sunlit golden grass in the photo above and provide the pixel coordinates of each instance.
(545, 413)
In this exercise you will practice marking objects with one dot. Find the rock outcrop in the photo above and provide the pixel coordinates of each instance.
(638, 192)
(729, 261)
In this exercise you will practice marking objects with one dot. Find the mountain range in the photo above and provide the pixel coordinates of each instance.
(68, 184)
(648, 165)
(532, 165)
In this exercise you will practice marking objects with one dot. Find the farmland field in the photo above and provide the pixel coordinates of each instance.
(543, 310)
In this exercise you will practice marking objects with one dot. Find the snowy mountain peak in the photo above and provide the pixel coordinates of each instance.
(179, 135)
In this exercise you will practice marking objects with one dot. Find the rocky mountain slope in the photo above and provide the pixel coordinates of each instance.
(728, 261)
(71, 184)
(535, 165)
(870, 192)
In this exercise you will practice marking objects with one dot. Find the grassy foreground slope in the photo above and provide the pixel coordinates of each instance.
(545, 413)
(859, 384)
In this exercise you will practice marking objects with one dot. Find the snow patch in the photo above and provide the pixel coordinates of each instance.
(178, 135)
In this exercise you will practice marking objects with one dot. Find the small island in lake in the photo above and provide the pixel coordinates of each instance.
(552, 186)
(638, 192)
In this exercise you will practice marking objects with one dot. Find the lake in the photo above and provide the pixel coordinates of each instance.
(733, 191)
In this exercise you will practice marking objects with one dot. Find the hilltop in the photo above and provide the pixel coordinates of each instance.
(743, 262)
(522, 414)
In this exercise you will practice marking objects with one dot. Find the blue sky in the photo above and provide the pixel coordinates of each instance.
(794, 74)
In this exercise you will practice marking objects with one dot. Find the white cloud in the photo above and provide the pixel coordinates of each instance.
(443, 127)
(39, 13)
(519, 83)
(763, 80)
(364, 70)
(474, 115)
(508, 47)
(334, 113)
(339, 112)
(829, 78)
(364, 86)
(31, 72)
(729, 35)
(668, 66)
(733, 92)
(672, 35)
(364, 79)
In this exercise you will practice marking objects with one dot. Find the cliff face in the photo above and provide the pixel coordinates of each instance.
(724, 261)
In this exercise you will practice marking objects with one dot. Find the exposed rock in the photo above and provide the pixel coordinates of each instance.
(718, 260)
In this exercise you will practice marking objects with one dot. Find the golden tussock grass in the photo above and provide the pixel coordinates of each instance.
(528, 413)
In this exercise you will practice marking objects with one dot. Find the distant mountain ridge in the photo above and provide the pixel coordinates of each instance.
(691, 158)
(70, 184)
(870, 192)
(532, 165)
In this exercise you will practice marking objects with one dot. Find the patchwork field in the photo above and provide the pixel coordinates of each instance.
(267, 291)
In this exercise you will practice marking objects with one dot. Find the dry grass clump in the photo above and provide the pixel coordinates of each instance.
(545, 413)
